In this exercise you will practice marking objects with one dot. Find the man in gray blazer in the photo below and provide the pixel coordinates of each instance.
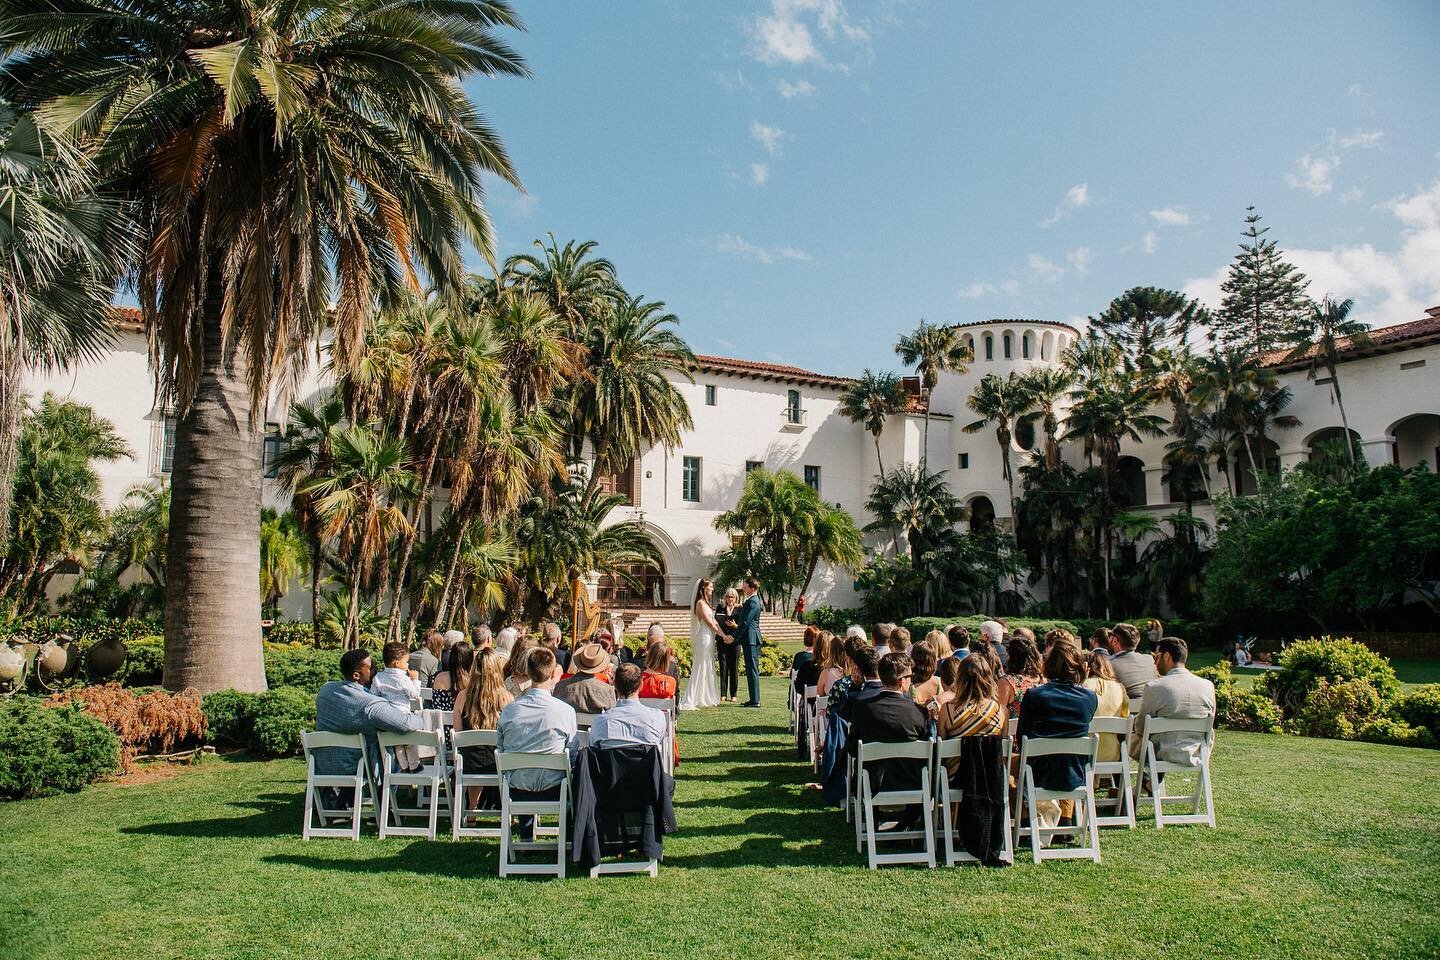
(347, 706)
(583, 689)
(1177, 694)
(1132, 669)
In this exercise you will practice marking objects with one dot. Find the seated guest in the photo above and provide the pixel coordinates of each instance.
(1061, 707)
(865, 677)
(536, 722)
(584, 689)
(924, 684)
(840, 690)
(993, 633)
(855, 632)
(628, 721)
(1177, 694)
(607, 640)
(959, 642)
(812, 634)
(1133, 669)
(979, 648)
(948, 673)
(1028, 634)
(348, 706)
(939, 641)
(657, 682)
(398, 685)
(1112, 699)
(505, 642)
(450, 681)
(900, 640)
(481, 637)
(517, 679)
(1100, 640)
(452, 637)
(972, 710)
(882, 638)
(806, 663)
(889, 716)
(833, 662)
(477, 707)
(426, 661)
(554, 638)
(1025, 672)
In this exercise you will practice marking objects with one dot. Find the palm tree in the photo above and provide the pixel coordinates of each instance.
(871, 401)
(305, 454)
(580, 288)
(62, 249)
(1319, 337)
(933, 350)
(1244, 400)
(630, 402)
(282, 157)
(1046, 386)
(369, 472)
(282, 555)
(921, 504)
(1172, 375)
(1000, 401)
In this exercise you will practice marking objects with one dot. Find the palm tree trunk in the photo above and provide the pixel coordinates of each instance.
(212, 573)
(10, 407)
(316, 559)
(444, 607)
(879, 461)
(925, 440)
(350, 640)
(422, 506)
(1344, 422)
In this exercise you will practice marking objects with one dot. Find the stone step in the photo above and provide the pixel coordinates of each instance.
(676, 623)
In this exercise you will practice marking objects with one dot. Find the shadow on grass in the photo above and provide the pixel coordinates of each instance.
(462, 861)
(276, 815)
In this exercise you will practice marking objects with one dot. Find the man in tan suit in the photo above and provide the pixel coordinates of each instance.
(1177, 694)
(1132, 669)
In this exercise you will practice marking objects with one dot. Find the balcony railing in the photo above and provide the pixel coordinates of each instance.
(793, 418)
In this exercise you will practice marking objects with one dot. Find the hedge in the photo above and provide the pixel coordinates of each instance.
(268, 724)
(773, 660)
(46, 750)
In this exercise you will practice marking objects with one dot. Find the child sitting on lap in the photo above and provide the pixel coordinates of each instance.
(400, 686)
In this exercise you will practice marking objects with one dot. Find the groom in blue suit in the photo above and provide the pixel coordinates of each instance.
(747, 634)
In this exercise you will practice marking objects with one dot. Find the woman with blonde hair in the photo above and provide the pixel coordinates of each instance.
(1114, 701)
(974, 710)
(940, 643)
(835, 664)
(477, 707)
(518, 680)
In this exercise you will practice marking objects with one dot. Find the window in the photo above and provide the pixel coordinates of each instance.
(812, 477)
(792, 407)
(989, 347)
(964, 461)
(1007, 346)
(167, 445)
(690, 480)
(709, 394)
(1025, 347)
(752, 465)
(270, 452)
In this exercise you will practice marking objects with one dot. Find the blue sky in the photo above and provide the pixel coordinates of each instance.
(802, 180)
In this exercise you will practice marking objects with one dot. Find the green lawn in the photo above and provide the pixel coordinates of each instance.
(1412, 673)
(1324, 849)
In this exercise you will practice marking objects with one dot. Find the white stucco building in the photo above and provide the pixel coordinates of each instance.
(749, 413)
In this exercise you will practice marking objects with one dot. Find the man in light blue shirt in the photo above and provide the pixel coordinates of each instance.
(537, 722)
(629, 722)
(346, 706)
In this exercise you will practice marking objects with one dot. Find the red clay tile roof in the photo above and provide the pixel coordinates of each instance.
(128, 318)
(769, 371)
(1399, 336)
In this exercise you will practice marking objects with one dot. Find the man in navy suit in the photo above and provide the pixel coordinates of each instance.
(747, 634)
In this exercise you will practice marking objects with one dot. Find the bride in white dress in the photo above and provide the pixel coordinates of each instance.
(704, 688)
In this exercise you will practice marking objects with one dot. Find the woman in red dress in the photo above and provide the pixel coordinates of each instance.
(656, 682)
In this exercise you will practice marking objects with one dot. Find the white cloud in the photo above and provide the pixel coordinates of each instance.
(977, 290)
(1364, 138)
(1046, 271)
(1389, 285)
(740, 247)
(788, 33)
(800, 88)
(768, 137)
(1080, 259)
(759, 174)
(1314, 173)
(1149, 241)
(1171, 217)
(1076, 197)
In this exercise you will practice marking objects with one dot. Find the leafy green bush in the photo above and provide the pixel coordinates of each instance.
(773, 660)
(1421, 708)
(45, 750)
(291, 632)
(1397, 732)
(231, 716)
(1337, 710)
(919, 626)
(303, 667)
(1246, 710)
(1220, 674)
(280, 716)
(834, 619)
(1304, 663)
(84, 630)
(144, 663)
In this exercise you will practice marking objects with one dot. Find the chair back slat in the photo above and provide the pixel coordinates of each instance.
(1119, 726)
(508, 762)
(321, 739)
(1032, 747)
(910, 750)
(585, 720)
(433, 739)
(473, 738)
(1154, 725)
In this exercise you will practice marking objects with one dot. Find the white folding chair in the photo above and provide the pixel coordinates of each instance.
(792, 701)
(431, 781)
(948, 800)
(1153, 769)
(507, 764)
(651, 866)
(1030, 794)
(867, 822)
(316, 785)
(666, 704)
(584, 721)
(1124, 802)
(463, 780)
(1012, 727)
(818, 717)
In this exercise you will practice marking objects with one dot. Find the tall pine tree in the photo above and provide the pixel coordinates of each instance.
(1263, 297)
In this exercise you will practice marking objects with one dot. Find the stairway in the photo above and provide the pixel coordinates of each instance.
(676, 623)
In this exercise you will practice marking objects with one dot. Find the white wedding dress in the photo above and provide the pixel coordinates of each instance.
(703, 689)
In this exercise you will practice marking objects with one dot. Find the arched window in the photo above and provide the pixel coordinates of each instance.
(1025, 345)
(989, 346)
(1007, 346)
(982, 514)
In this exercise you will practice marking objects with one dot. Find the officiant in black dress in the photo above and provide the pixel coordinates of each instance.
(728, 650)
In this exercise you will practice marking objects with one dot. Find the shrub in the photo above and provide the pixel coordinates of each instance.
(303, 667)
(148, 723)
(1246, 710)
(1397, 732)
(291, 632)
(773, 660)
(231, 716)
(919, 626)
(834, 619)
(1337, 710)
(1220, 674)
(1421, 708)
(1304, 663)
(144, 664)
(46, 750)
(280, 716)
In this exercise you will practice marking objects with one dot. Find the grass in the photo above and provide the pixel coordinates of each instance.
(1412, 673)
(1325, 849)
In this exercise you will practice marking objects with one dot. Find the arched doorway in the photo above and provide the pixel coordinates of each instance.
(982, 514)
(1129, 489)
(1329, 444)
(1244, 475)
(642, 586)
(1416, 440)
